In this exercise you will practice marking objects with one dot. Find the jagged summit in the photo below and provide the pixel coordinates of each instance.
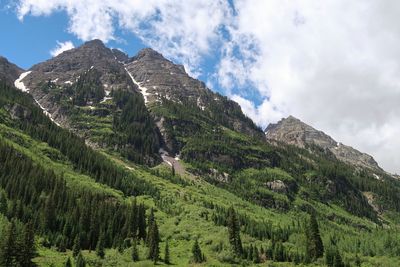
(293, 131)
(148, 54)
(9, 72)
(94, 43)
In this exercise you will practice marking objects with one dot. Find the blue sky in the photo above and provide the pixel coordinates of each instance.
(30, 41)
(333, 64)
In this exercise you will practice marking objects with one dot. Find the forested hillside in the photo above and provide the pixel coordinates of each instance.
(167, 181)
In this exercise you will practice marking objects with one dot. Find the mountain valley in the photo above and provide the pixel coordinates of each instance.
(111, 160)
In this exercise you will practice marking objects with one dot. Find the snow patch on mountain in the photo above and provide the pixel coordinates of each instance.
(142, 89)
(19, 84)
(45, 112)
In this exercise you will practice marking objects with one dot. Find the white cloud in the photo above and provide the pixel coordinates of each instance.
(61, 47)
(333, 64)
(182, 30)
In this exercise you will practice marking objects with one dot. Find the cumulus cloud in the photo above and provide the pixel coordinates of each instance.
(182, 30)
(334, 63)
(61, 47)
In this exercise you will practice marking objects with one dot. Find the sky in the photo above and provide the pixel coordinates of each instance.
(334, 64)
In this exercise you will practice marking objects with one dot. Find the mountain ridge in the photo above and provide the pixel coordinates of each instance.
(179, 163)
(293, 131)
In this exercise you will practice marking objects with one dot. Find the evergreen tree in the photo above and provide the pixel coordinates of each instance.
(80, 261)
(3, 202)
(76, 249)
(278, 253)
(135, 252)
(9, 246)
(314, 245)
(234, 232)
(68, 263)
(166, 253)
(197, 255)
(256, 255)
(49, 215)
(134, 220)
(28, 250)
(358, 261)
(150, 223)
(330, 256)
(100, 246)
(141, 219)
(250, 253)
(153, 239)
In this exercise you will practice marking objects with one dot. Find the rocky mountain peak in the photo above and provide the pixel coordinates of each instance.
(8, 72)
(119, 55)
(149, 54)
(293, 131)
(95, 43)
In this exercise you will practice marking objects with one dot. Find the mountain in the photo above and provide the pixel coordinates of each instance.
(83, 89)
(293, 131)
(159, 79)
(8, 72)
(102, 153)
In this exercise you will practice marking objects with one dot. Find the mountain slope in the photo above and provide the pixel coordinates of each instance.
(8, 72)
(295, 132)
(88, 90)
(103, 163)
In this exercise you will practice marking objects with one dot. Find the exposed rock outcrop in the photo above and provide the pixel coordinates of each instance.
(295, 132)
(8, 72)
(278, 186)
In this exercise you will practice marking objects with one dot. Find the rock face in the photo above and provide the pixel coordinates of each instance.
(8, 72)
(278, 186)
(159, 78)
(49, 80)
(148, 73)
(295, 132)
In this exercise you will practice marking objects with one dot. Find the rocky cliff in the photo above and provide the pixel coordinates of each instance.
(293, 131)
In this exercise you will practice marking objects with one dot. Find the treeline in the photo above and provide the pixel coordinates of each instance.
(134, 129)
(84, 159)
(88, 88)
(61, 214)
(17, 245)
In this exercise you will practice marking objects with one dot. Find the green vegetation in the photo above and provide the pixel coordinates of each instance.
(280, 206)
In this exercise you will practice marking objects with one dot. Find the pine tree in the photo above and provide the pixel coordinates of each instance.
(153, 239)
(358, 261)
(314, 245)
(256, 255)
(133, 220)
(141, 219)
(68, 263)
(250, 253)
(135, 252)
(28, 250)
(80, 261)
(338, 259)
(330, 256)
(197, 255)
(48, 215)
(278, 253)
(234, 232)
(76, 249)
(9, 248)
(100, 246)
(166, 253)
(150, 222)
(3, 202)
